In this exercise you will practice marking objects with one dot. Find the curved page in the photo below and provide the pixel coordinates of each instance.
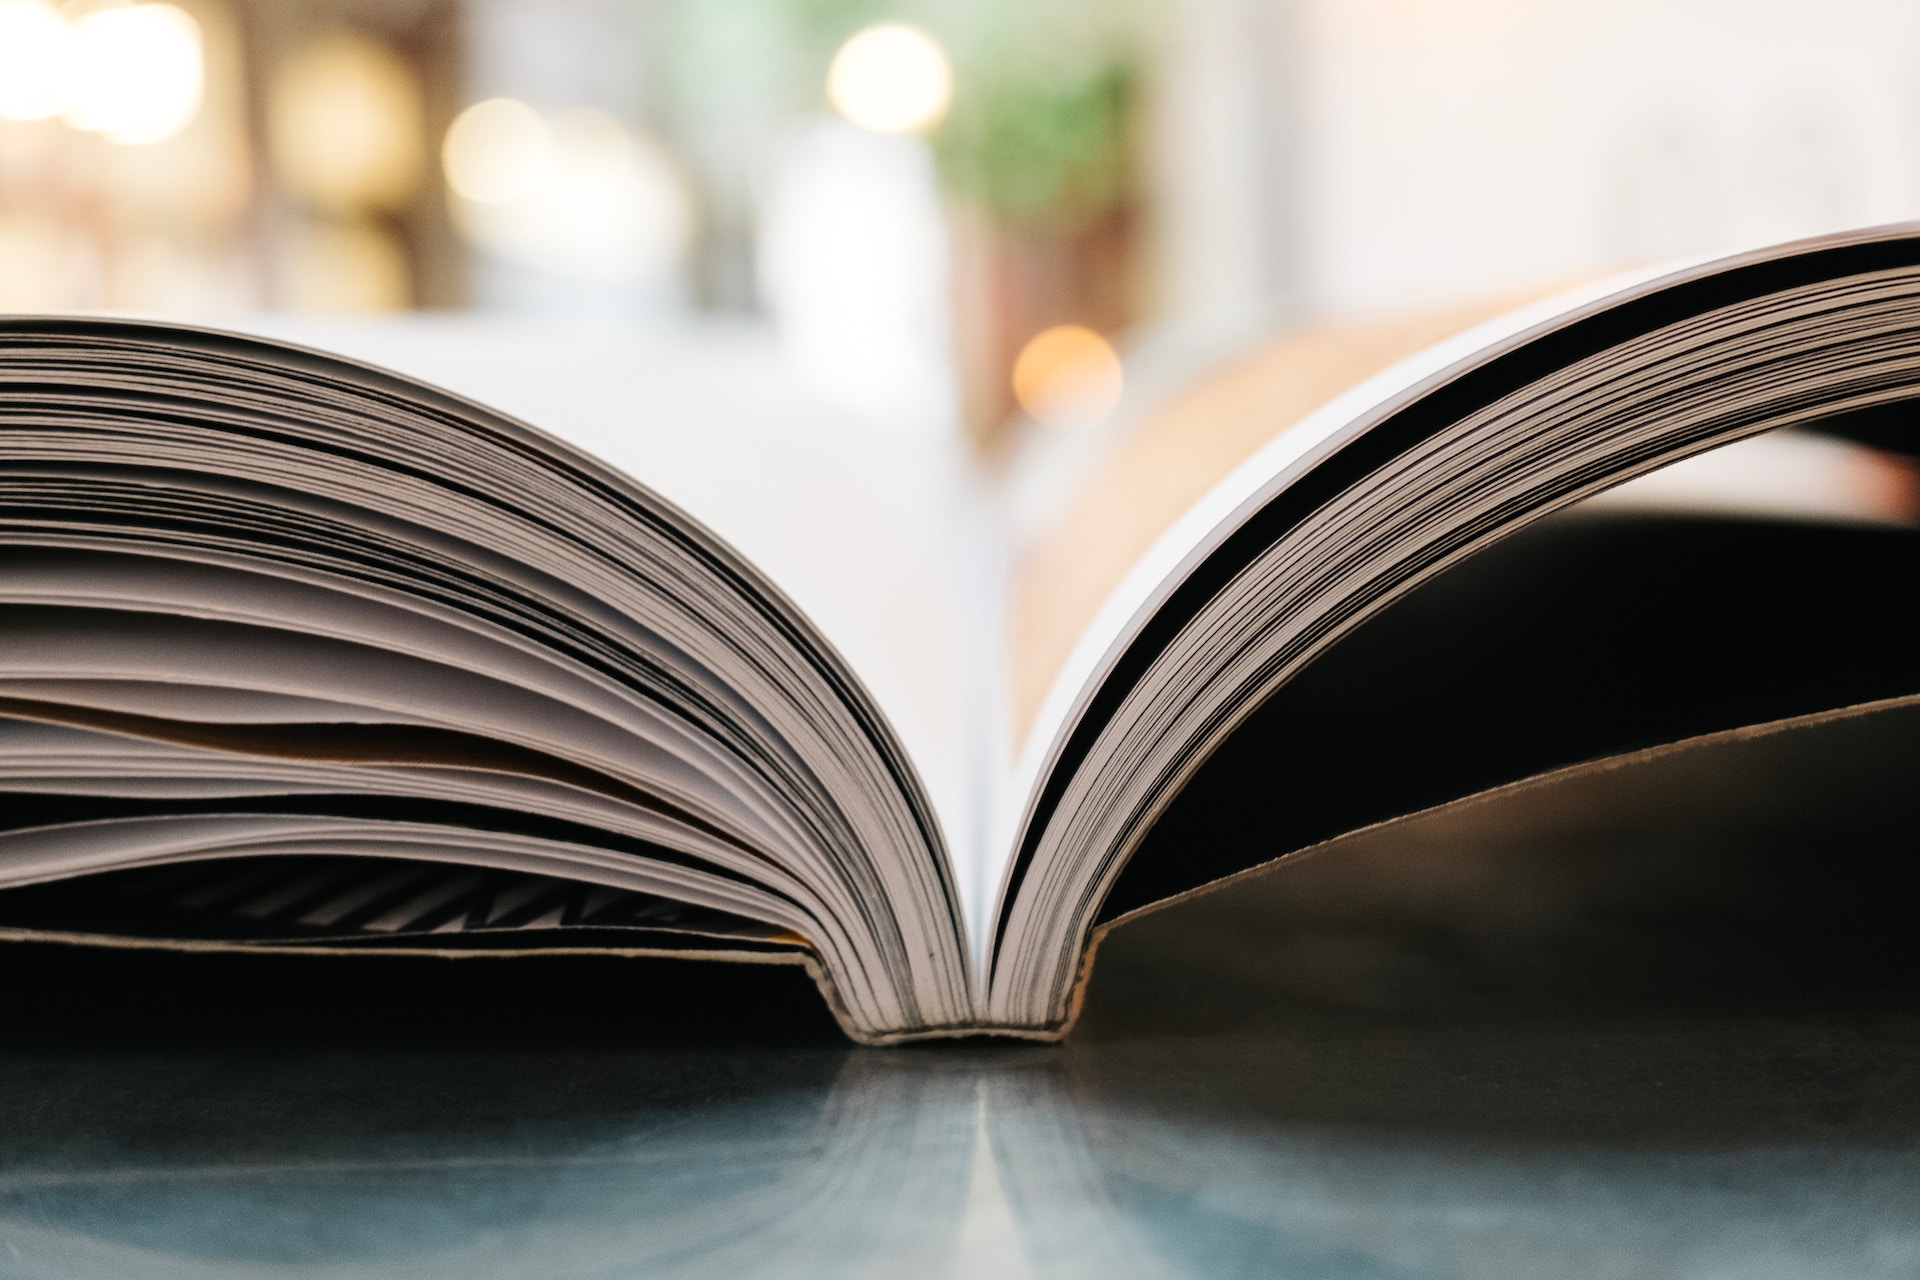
(436, 605)
(1387, 487)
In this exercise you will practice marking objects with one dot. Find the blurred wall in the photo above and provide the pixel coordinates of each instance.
(159, 221)
(1339, 156)
(347, 101)
(607, 228)
(1224, 148)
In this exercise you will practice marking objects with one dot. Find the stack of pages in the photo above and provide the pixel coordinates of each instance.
(300, 654)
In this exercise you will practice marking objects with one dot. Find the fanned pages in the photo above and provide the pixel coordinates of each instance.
(341, 613)
(301, 654)
(1388, 486)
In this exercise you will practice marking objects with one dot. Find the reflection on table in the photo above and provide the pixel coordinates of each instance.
(1587, 1034)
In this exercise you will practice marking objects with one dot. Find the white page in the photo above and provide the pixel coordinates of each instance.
(881, 540)
(1778, 477)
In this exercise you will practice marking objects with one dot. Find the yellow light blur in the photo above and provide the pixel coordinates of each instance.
(36, 60)
(891, 78)
(346, 125)
(496, 150)
(346, 268)
(139, 73)
(1068, 377)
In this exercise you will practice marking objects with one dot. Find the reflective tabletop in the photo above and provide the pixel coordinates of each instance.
(1439, 1052)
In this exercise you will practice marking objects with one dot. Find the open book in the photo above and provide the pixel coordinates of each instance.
(304, 655)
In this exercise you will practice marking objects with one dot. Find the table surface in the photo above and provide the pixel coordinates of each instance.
(1413, 1058)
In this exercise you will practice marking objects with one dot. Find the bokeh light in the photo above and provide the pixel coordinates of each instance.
(36, 60)
(1068, 377)
(852, 264)
(138, 73)
(496, 151)
(346, 127)
(891, 78)
(580, 197)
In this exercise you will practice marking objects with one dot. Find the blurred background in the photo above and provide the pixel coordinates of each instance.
(1010, 222)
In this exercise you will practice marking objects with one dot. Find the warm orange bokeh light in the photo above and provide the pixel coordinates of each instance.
(346, 126)
(1068, 376)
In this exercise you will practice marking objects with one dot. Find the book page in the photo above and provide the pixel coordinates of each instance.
(884, 541)
(1176, 461)
(1603, 630)
(204, 510)
(1180, 450)
(1225, 414)
(1392, 483)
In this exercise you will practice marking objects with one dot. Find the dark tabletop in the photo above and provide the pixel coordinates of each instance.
(1472, 1046)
